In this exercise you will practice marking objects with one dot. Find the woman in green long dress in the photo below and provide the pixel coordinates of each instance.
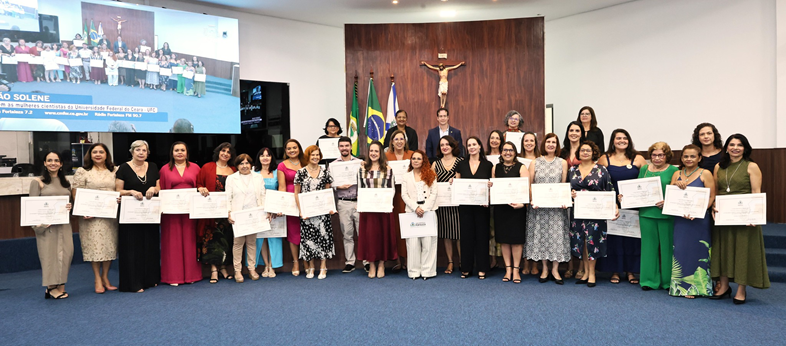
(199, 87)
(180, 80)
(738, 251)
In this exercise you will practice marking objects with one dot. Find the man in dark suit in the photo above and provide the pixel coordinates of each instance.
(103, 41)
(120, 44)
(434, 135)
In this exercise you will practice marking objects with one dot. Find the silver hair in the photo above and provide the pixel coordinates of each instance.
(512, 113)
(138, 143)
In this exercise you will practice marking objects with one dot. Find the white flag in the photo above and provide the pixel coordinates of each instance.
(390, 117)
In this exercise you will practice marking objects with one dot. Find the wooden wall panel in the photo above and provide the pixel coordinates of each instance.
(504, 70)
(139, 25)
(10, 211)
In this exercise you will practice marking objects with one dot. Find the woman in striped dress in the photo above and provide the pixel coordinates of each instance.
(448, 217)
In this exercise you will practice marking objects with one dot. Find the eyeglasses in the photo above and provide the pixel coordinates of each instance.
(508, 150)
(657, 155)
(586, 151)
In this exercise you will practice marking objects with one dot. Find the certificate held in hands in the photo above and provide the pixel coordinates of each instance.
(281, 202)
(278, 228)
(445, 195)
(551, 195)
(375, 200)
(412, 226)
(96, 203)
(626, 226)
(177, 201)
(637, 193)
(145, 211)
(741, 210)
(691, 202)
(44, 210)
(470, 191)
(315, 203)
(212, 206)
(595, 205)
(249, 221)
(509, 190)
(345, 172)
(399, 168)
(329, 148)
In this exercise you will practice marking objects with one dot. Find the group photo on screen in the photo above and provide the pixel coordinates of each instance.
(116, 67)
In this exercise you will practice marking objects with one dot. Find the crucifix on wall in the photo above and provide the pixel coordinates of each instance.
(442, 68)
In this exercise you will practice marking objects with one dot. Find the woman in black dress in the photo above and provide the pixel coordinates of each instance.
(474, 218)
(510, 219)
(706, 137)
(139, 244)
(590, 124)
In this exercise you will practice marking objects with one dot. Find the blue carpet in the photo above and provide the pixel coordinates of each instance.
(215, 112)
(350, 309)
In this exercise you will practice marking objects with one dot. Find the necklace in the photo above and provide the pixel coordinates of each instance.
(728, 186)
(220, 166)
(134, 163)
(294, 163)
(507, 168)
(691, 173)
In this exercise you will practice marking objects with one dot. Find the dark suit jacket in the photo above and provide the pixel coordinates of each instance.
(120, 45)
(432, 142)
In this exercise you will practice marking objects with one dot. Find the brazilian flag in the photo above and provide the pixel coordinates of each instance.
(93, 34)
(375, 121)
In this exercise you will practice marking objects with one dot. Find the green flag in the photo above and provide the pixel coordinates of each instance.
(353, 121)
(85, 31)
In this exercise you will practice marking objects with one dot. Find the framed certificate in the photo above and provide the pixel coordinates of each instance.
(315, 203)
(516, 138)
(214, 206)
(96, 203)
(77, 43)
(551, 195)
(399, 168)
(23, 57)
(9, 60)
(145, 211)
(200, 77)
(509, 190)
(375, 200)
(61, 60)
(51, 66)
(626, 226)
(328, 147)
(345, 172)
(177, 69)
(140, 65)
(165, 71)
(127, 64)
(152, 61)
(188, 74)
(44, 210)
(104, 54)
(595, 205)
(36, 60)
(75, 62)
(281, 202)
(741, 210)
(96, 63)
(177, 201)
(249, 221)
(470, 191)
(445, 195)
(278, 228)
(412, 226)
(691, 202)
(637, 193)
(153, 67)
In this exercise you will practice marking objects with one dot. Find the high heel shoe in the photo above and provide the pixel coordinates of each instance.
(322, 273)
(739, 301)
(544, 280)
(506, 278)
(449, 269)
(64, 295)
(212, 280)
(723, 295)
(310, 273)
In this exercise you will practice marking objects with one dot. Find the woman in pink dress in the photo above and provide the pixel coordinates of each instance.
(294, 160)
(23, 68)
(178, 233)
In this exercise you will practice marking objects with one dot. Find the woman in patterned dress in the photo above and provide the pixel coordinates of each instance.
(574, 136)
(690, 271)
(588, 237)
(548, 228)
(214, 236)
(448, 217)
(529, 151)
(98, 235)
(316, 233)
(376, 236)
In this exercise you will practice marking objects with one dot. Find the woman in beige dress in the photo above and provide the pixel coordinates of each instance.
(98, 235)
(55, 243)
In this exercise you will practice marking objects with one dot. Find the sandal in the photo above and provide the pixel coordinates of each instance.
(212, 280)
(506, 278)
(449, 269)
(579, 274)
(615, 279)
(516, 281)
(226, 275)
(465, 275)
(568, 274)
(481, 276)
(632, 279)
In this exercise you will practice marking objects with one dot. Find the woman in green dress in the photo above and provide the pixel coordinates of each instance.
(737, 251)
(180, 80)
(199, 87)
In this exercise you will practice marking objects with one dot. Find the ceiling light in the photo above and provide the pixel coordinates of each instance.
(447, 13)
(395, 2)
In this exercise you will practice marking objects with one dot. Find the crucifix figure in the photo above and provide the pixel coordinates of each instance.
(119, 23)
(442, 92)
